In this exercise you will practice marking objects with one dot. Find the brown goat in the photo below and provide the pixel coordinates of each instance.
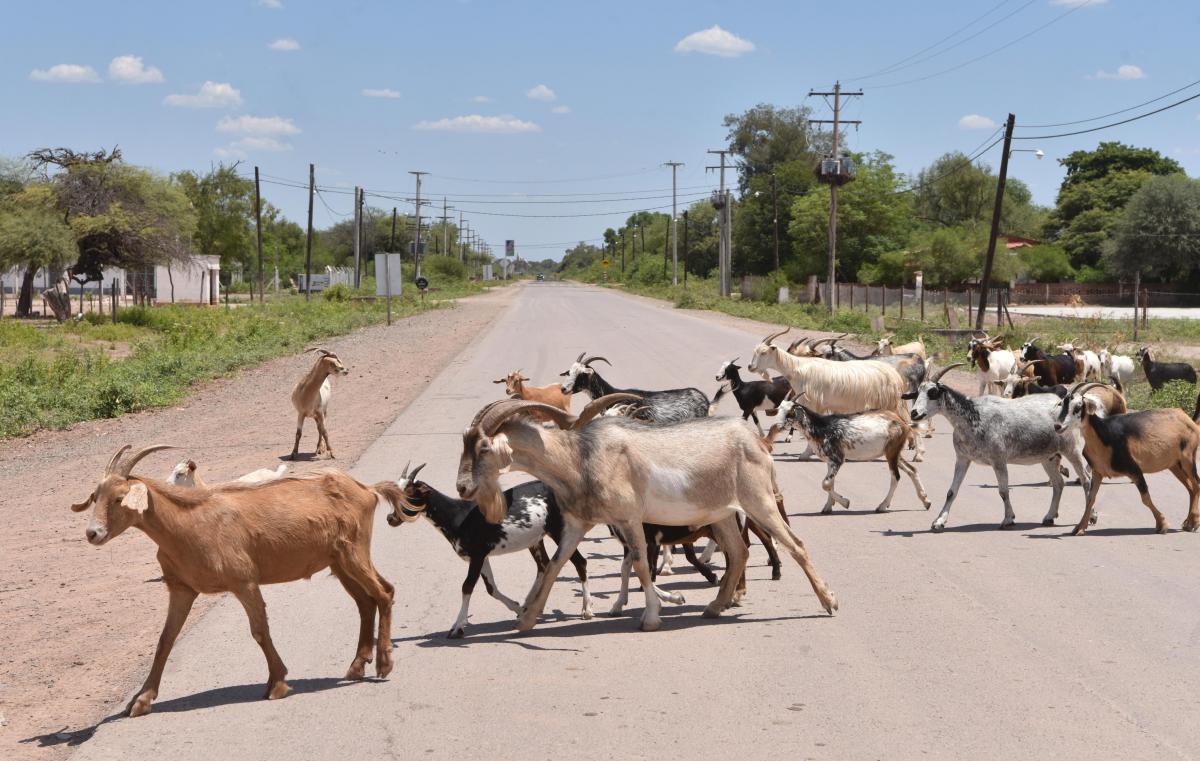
(311, 395)
(234, 537)
(514, 386)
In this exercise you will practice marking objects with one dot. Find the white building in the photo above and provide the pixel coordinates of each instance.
(196, 280)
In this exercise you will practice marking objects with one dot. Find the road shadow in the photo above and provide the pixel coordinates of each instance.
(1114, 531)
(862, 513)
(971, 528)
(674, 618)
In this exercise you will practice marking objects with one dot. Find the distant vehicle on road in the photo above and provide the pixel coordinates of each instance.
(540, 277)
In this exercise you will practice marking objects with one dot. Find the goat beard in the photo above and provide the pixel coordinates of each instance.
(490, 499)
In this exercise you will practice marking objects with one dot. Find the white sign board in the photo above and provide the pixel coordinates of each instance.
(387, 268)
(487, 272)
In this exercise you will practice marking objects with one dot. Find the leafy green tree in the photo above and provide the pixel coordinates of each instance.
(1046, 263)
(874, 217)
(1096, 188)
(766, 137)
(33, 235)
(224, 206)
(702, 235)
(1158, 233)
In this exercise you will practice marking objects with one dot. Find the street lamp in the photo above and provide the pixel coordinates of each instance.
(1035, 151)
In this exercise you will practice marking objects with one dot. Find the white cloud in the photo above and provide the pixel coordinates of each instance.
(561, 110)
(383, 92)
(284, 44)
(272, 4)
(1124, 72)
(479, 123)
(715, 41)
(261, 126)
(211, 95)
(130, 69)
(975, 121)
(1077, 3)
(540, 92)
(65, 72)
(481, 99)
(238, 149)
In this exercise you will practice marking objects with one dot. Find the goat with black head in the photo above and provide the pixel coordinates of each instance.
(1050, 370)
(670, 406)
(754, 396)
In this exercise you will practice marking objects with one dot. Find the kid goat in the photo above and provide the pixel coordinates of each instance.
(235, 537)
(623, 473)
(1133, 445)
(754, 396)
(531, 513)
(311, 395)
(999, 432)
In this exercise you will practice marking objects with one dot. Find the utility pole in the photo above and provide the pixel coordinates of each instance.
(991, 250)
(775, 218)
(445, 227)
(674, 237)
(831, 301)
(312, 181)
(392, 240)
(622, 252)
(724, 260)
(258, 229)
(685, 247)
(357, 231)
(458, 234)
(417, 240)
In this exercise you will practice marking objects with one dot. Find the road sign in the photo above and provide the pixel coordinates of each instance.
(510, 247)
(422, 282)
(604, 263)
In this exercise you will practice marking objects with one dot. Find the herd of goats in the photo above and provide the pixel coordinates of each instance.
(657, 467)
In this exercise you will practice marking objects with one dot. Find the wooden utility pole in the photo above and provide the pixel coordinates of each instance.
(312, 181)
(458, 234)
(991, 249)
(674, 237)
(775, 218)
(258, 229)
(417, 239)
(685, 247)
(623, 252)
(724, 259)
(831, 264)
(445, 227)
(357, 232)
(392, 240)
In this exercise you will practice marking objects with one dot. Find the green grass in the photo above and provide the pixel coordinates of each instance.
(53, 376)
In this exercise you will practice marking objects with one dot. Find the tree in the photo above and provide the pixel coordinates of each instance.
(1096, 188)
(954, 191)
(874, 217)
(766, 137)
(32, 235)
(224, 206)
(1158, 233)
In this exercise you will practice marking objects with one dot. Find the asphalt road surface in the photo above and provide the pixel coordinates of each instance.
(975, 643)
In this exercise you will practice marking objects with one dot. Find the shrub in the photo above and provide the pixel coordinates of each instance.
(337, 292)
(439, 267)
(1176, 393)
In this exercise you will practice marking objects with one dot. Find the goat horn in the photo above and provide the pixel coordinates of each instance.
(126, 466)
(500, 412)
(588, 362)
(112, 464)
(479, 415)
(597, 406)
(404, 473)
(938, 375)
(580, 357)
(413, 476)
(1081, 388)
(772, 336)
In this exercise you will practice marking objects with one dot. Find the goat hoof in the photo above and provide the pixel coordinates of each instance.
(651, 624)
(830, 605)
(1095, 517)
(355, 671)
(776, 574)
(278, 690)
(938, 528)
(1190, 525)
(383, 665)
(454, 634)
(1047, 521)
(525, 623)
(587, 615)
(1007, 526)
(616, 610)
(1161, 529)
(883, 508)
(140, 706)
(712, 610)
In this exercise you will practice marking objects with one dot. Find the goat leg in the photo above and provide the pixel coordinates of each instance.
(323, 444)
(727, 534)
(572, 533)
(689, 551)
(489, 583)
(366, 615)
(769, 545)
(961, 464)
(178, 608)
(256, 611)
(636, 538)
(580, 563)
(299, 430)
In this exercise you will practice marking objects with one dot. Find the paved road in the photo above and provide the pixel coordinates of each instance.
(970, 644)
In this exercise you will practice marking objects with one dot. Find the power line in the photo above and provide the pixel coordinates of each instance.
(1114, 113)
(644, 170)
(1113, 124)
(966, 162)
(563, 216)
(991, 52)
(898, 67)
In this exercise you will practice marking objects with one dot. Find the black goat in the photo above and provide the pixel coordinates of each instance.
(1051, 370)
(533, 513)
(671, 406)
(754, 396)
(1160, 373)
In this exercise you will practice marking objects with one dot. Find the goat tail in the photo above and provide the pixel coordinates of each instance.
(389, 492)
(721, 392)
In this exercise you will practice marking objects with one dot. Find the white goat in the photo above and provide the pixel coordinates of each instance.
(836, 386)
(184, 474)
(991, 362)
(1118, 367)
(886, 349)
(1087, 362)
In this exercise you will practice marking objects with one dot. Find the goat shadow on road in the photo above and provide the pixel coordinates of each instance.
(220, 696)
(674, 617)
(970, 528)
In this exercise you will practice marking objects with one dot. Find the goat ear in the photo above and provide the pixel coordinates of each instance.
(191, 466)
(138, 498)
(79, 507)
(502, 380)
(909, 395)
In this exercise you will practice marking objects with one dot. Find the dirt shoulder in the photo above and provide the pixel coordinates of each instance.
(79, 624)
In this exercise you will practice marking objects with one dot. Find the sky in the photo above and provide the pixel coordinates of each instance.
(562, 109)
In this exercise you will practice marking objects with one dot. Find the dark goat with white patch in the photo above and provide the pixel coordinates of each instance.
(1160, 373)
(671, 406)
(532, 514)
(1051, 370)
(754, 396)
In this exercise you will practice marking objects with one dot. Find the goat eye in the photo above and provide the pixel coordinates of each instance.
(935, 392)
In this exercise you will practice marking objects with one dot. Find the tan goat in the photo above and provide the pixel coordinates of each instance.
(235, 537)
(886, 349)
(311, 395)
(514, 386)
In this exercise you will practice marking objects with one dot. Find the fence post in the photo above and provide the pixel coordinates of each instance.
(883, 300)
(1, 299)
(852, 297)
(902, 301)
(946, 304)
(970, 302)
(114, 301)
(999, 309)
(1047, 293)
(1145, 306)
(922, 302)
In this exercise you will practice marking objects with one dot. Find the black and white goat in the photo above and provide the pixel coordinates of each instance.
(1161, 373)
(754, 396)
(671, 406)
(855, 437)
(533, 513)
